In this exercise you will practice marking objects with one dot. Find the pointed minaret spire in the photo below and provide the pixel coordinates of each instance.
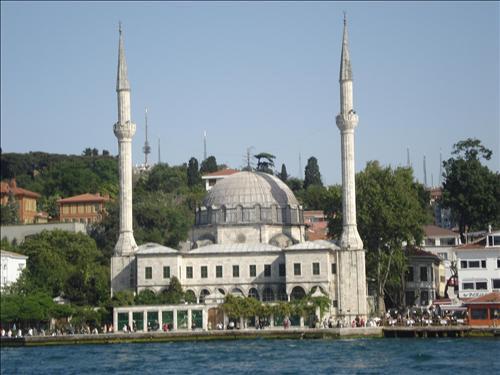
(122, 271)
(122, 78)
(345, 61)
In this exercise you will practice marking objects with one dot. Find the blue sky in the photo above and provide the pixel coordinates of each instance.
(426, 75)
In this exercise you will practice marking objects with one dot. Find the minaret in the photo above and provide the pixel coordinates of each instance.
(347, 120)
(122, 270)
(351, 273)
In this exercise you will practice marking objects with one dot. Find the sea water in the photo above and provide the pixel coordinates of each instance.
(262, 356)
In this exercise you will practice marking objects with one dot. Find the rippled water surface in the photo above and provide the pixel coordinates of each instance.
(361, 356)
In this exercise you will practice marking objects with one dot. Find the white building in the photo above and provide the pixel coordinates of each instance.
(441, 242)
(212, 178)
(249, 234)
(479, 266)
(11, 266)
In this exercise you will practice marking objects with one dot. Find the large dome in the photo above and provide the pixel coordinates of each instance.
(248, 189)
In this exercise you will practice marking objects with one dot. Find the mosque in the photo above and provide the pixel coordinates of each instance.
(248, 238)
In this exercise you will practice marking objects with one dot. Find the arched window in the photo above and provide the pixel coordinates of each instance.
(253, 293)
(297, 293)
(190, 297)
(237, 292)
(203, 294)
(282, 296)
(268, 295)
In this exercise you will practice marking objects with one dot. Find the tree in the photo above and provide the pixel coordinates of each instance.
(8, 212)
(65, 263)
(283, 176)
(312, 175)
(470, 189)
(295, 184)
(193, 174)
(265, 162)
(389, 212)
(209, 165)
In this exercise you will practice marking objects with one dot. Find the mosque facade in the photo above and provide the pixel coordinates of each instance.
(248, 238)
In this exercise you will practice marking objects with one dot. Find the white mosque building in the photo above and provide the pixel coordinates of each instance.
(249, 234)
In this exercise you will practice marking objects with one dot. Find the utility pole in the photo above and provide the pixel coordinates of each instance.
(408, 163)
(205, 145)
(300, 166)
(159, 154)
(425, 173)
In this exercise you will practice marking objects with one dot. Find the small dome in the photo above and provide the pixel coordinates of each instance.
(249, 189)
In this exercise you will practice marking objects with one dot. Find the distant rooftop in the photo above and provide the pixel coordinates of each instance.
(222, 172)
(435, 231)
(84, 198)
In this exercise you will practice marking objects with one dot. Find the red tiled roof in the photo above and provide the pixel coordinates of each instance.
(222, 172)
(478, 244)
(487, 298)
(84, 198)
(8, 188)
(309, 213)
(435, 231)
(414, 251)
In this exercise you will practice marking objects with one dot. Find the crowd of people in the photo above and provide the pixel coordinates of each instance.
(56, 331)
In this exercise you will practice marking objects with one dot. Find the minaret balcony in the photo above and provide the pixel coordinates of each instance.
(347, 121)
(124, 130)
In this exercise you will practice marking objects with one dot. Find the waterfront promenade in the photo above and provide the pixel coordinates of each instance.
(268, 333)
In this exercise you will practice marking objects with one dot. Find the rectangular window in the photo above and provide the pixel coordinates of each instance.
(449, 241)
(479, 314)
(335, 303)
(296, 269)
(468, 286)
(498, 262)
(267, 270)
(410, 298)
(334, 268)
(423, 274)
(424, 298)
(495, 283)
(253, 270)
(409, 274)
(481, 285)
(282, 269)
(473, 264)
(148, 273)
(189, 272)
(463, 264)
(204, 272)
(166, 272)
(218, 272)
(483, 263)
(315, 268)
(236, 271)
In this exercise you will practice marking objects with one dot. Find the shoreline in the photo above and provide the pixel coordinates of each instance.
(250, 334)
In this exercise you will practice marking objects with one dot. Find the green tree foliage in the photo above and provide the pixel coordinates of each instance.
(283, 175)
(312, 175)
(61, 175)
(165, 178)
(295, 184)
(265, 162)
(389, 212)
(65, 263)
(470, 189)
(209, 165)
(9, 212)
(28, 310)
(193, 174)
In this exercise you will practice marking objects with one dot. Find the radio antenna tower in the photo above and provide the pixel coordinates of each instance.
(147, 148)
